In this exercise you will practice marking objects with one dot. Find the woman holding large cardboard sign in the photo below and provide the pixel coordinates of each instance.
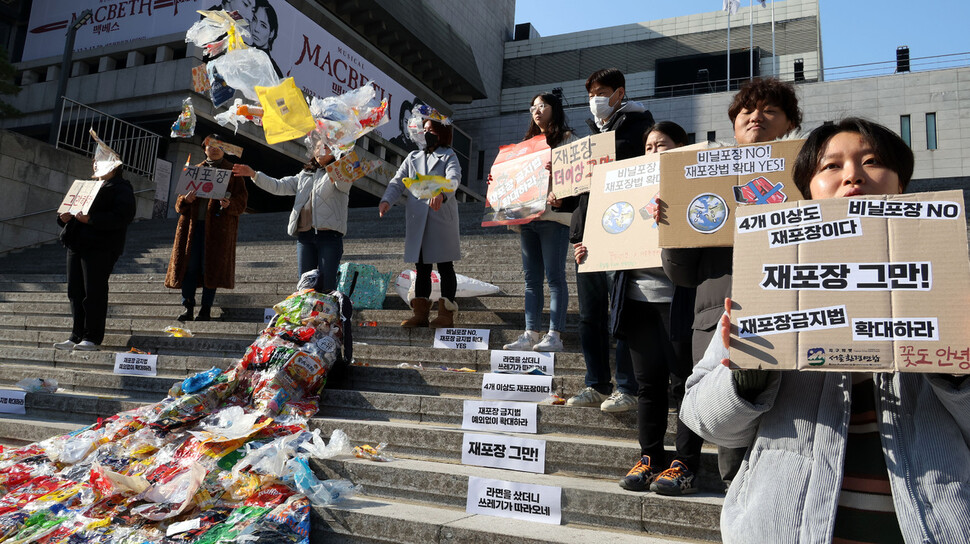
(837, 456)
(545, 240)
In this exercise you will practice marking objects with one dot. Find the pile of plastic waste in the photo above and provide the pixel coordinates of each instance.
(224, 458)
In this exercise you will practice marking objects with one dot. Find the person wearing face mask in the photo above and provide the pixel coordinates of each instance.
(318, 219)
(431, 230)
(204, 250)
(628, 121)
(762, 110)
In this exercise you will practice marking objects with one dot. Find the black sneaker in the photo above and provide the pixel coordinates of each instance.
(676, 480)
(640, 476)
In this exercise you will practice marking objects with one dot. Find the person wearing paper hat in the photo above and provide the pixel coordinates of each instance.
(94, 241)
(838, 456)
(204, 250)
(431, 228)
(318, 219)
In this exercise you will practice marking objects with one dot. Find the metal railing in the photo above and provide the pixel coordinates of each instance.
(137, 147)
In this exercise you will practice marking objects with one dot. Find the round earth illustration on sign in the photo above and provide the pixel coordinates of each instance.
(618, 217)
(707, 213)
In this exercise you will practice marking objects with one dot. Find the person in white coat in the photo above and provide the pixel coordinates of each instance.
(319, 216)
(431, 228)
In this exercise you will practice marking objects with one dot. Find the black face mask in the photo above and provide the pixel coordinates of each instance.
(431, 139)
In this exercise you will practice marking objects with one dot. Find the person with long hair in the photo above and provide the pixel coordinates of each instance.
(318, 219)
(839, 456)
(545, 240)
(431, 230)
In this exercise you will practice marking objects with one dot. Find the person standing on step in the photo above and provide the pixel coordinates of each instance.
(545, 240)
(318, 219)
(762, 110)
(204, 251)
(431, 228)
(94, 241)
(628, 121)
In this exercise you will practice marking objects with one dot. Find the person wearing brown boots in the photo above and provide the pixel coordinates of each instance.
(431, 230)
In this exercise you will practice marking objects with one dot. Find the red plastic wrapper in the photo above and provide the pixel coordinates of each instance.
(269, 495)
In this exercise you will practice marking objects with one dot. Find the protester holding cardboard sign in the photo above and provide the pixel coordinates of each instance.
(837, 456)
(94, 241)
(762, 110)
(545, 240)
(627, 121)
(431, 231)
(204, 250)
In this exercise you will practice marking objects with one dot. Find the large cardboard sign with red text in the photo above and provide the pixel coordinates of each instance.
(519, 185)
(572, 164)
(80, 196)
(875, 284)
(702, 188)
(206, 182)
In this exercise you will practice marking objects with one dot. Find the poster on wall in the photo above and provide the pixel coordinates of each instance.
(321, 64)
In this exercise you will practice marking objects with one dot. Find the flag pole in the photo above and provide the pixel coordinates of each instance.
(729, 52)
(750, 39)
(774, 59)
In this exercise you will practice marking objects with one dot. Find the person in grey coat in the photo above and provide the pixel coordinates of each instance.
(838, 456)
(432, 223)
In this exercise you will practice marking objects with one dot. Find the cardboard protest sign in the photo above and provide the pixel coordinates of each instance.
(520, 183)
(702, 188)
(80, 196)
(350, 168)
(876, 283)
(572, 164)
(207, 182)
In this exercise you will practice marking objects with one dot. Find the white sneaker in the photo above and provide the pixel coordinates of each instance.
(587, 397)
(619, 402)
(66, 345)
(523, 342)
(86, 345)
(548, 343)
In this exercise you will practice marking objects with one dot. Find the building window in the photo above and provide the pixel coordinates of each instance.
(481, 164)
(931, 131)
(711, 135)
(906, 129)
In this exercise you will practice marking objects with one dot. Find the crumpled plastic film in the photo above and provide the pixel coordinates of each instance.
(342, 120)
(245, 69)
(426, 186)
(38, 385)
(184, 126)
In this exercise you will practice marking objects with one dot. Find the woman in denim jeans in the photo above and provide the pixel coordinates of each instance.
(545, 240)
(319, 216)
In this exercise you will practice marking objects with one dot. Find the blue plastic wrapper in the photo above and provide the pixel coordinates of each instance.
(200, 381)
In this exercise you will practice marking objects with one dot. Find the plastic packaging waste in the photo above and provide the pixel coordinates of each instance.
(184, 126)
(38, 385)
(339, 445)
(374, 454)
(245, 69)
(423, 187)
(200, 381)
(467, 287)
(178, 332)
(320, 493)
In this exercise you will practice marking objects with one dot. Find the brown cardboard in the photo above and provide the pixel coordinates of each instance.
(572, 164)
(207, 182)
(699, 207)
(923, 235)
(80, 196)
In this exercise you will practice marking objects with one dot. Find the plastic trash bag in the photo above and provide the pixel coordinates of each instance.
(425, 186)
(286, 115)
(239, 113)
(320, 493)
(271, 458)
(213, 25)
(38, 385)
(228, 424)
(245, 69)
(467, 287)
(339, 445)
(184, 126)
(341, 120)
(175, 493)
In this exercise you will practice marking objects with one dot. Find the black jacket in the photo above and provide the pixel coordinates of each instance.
(709, 270)
(111, 212)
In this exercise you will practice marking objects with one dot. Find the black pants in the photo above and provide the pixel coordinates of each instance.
(87, 289)
(653, 360)
(446, 272)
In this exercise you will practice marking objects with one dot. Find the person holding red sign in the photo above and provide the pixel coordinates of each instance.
(838, 456)
(204, 250)
(545, 240)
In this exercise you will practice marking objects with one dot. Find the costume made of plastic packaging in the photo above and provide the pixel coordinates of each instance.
(341, 120)
(224, 458)
(184, 126)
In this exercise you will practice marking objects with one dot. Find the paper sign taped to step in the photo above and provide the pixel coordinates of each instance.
(461, 338)
(136, 364)
(530, 502)
(503, 451)
(522, 387)
(523, 362)
(12, 402)
(516, 417)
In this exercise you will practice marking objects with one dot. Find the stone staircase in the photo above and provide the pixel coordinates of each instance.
(418, 498)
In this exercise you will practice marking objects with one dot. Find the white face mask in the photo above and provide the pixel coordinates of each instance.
(600, 107)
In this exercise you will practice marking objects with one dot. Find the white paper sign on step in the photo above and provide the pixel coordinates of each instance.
(136, 364)
(541, 503)
(522, 387)
(522, 362)
(483, 415)
(461, 338)
(504, 451)
(12, 402)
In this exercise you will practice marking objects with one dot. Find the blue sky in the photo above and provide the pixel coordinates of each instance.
(853, 31)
